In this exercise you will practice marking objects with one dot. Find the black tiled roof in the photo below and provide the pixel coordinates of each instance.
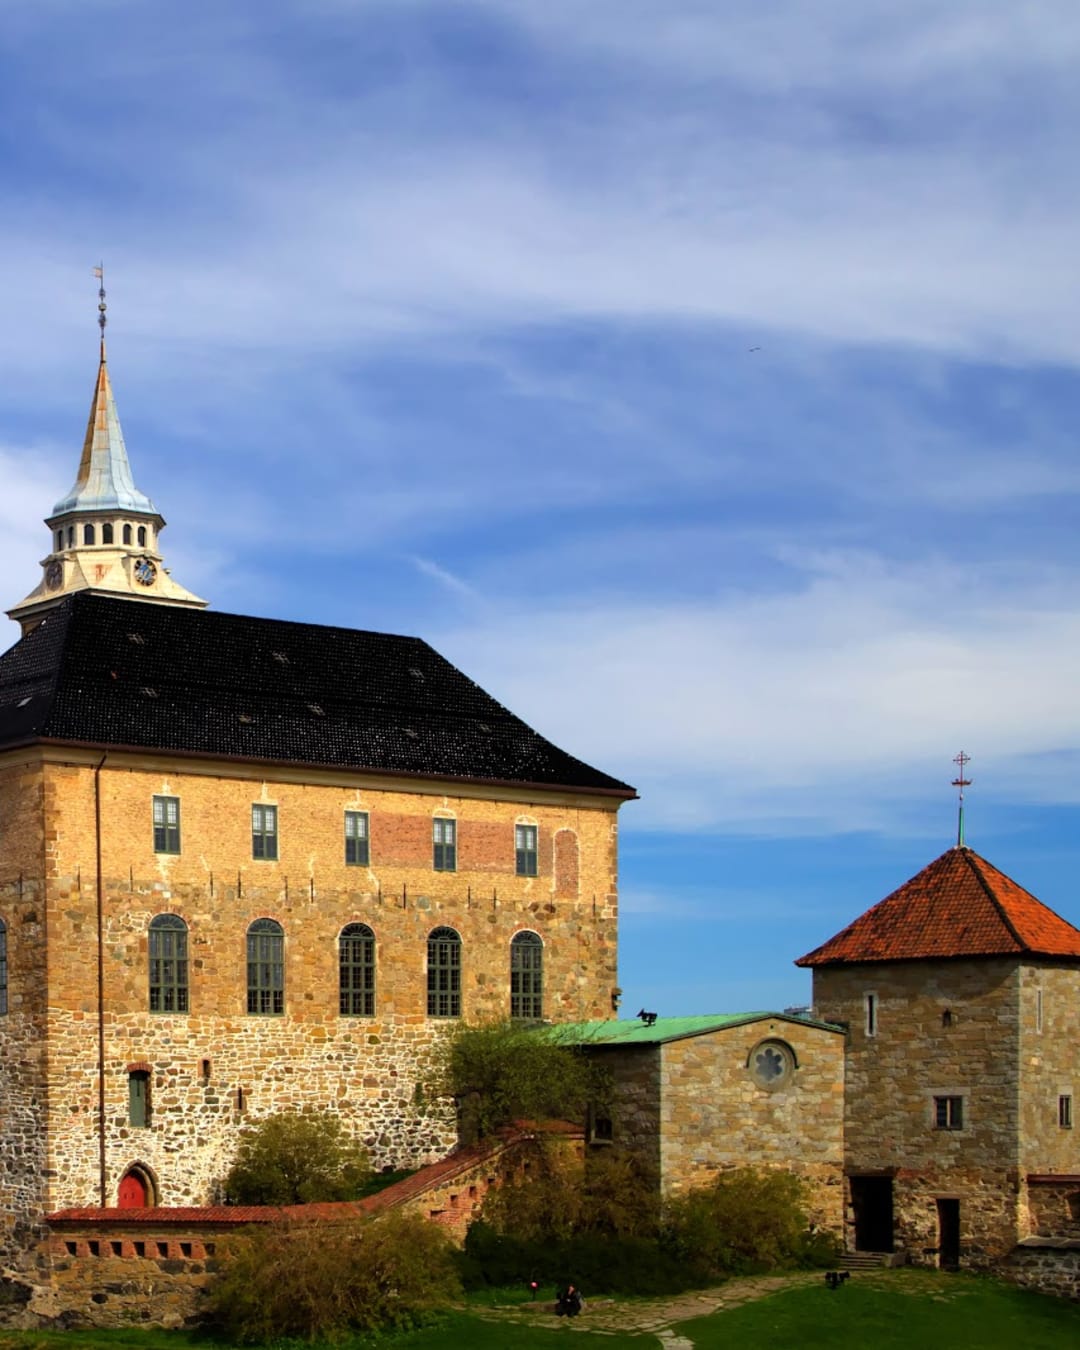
(105, 672)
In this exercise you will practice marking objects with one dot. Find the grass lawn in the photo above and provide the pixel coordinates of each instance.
(895, 1311)
(890, 1310)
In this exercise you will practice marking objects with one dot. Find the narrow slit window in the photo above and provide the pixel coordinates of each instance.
(3, 968)
(264, 831)
(525, 850)
(139, 1098)
(871, 1014)
(1065, 1110)
(357, 851)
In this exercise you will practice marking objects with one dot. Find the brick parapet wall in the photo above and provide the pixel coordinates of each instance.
(114, 1268)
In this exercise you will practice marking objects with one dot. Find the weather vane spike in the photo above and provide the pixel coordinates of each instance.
(99, 272)
(960, 782)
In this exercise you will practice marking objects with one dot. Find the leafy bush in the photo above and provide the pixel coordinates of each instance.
(747, 1220)
(320, 1281)
(499, 1072)
(556, 1198)
(296, 1158)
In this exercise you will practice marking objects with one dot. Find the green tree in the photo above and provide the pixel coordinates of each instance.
(296, 1158)
(499, 1072)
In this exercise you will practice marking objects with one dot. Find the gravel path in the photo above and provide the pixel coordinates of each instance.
(653, 1316)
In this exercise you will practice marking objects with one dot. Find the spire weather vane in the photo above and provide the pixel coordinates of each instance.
(99, 272)
(960, 782)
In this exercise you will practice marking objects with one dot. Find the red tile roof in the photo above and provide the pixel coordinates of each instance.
(960, 905)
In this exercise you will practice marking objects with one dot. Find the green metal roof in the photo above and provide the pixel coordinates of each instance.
(636, 1032)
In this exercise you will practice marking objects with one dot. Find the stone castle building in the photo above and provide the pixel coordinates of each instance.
(249, 865)
(960, 996)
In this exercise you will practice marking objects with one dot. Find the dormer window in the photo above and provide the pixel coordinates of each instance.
(88, 534)
(127, 534)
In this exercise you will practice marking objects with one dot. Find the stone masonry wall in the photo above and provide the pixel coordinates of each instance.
(216, 1068)
(23, 1097)
(941, 1029)
(1050, 1033)
(716, 1116)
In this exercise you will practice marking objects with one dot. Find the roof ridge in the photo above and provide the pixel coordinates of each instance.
(973, 860)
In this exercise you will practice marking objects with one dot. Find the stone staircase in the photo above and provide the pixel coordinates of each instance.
(871, 1260)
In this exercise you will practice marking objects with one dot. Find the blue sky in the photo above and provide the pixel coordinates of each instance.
(701, 377)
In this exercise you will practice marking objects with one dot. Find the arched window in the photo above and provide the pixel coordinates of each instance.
(71, 536)
(59, 540)
(168, 964)
(106, 534)
(527, 976)
(444, 973)
(88, 534)
(3, 967)
(266, 968)
(127, 534)
(356, 964)
(142, 536)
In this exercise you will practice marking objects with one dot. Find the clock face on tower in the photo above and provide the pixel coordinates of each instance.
(145, 572)
(54, 574)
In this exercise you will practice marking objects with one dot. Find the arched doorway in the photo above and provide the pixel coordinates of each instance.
(136, 1189)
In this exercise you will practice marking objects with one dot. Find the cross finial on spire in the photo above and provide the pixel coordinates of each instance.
(960, 782)
(99, 272)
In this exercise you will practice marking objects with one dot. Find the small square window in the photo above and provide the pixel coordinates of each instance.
(264, 832)
(1065, 1110)
(357, 851)
(166, 824)
(444, 845)
(949, 1113)
(525, 850)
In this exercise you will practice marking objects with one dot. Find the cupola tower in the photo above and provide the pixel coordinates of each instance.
(104, 530)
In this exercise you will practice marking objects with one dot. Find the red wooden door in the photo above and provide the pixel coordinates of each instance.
(133, 1192)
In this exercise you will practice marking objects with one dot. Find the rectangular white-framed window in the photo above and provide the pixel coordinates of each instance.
(264, 831)
(166, 812)
(870, 1005)
(526, 854)
(357, 847)
(1065, 1114)
(444, 844)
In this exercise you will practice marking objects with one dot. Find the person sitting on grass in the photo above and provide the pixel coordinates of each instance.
(570, 1302)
